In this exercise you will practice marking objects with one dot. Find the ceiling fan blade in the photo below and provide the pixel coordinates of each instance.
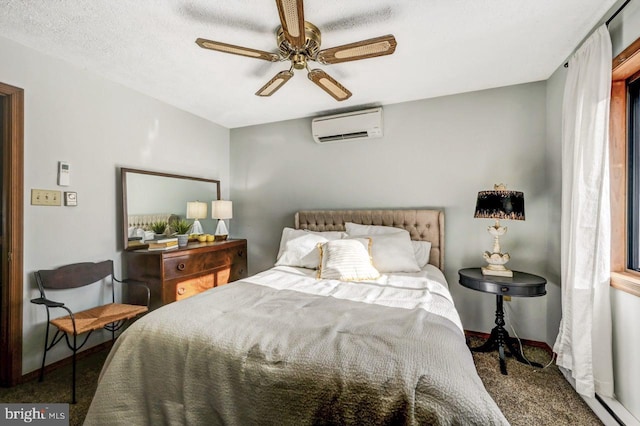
(292, 18)
(237, 50)
(329, 85)
(275, 83)
(379, 46)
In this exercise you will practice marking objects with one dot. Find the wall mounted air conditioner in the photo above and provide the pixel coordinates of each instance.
(350, 126)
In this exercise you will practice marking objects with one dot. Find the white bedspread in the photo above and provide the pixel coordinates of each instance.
(282, 348)
(426, 289)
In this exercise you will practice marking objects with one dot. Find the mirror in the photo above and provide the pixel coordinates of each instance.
(149, 196)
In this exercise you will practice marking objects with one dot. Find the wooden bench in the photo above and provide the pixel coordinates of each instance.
(111, 316)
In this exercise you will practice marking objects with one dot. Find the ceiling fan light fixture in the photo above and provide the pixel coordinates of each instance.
(298, 41)
(275, 83)
(329, 85)
(310, 46)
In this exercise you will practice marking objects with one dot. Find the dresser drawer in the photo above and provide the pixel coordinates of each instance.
(183, 266)
(190, 287)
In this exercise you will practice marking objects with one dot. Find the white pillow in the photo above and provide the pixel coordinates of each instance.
(421, 249)
(393, 252)
(347, 260)
(300, 248)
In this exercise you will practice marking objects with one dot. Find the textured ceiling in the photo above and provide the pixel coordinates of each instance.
(444, 47)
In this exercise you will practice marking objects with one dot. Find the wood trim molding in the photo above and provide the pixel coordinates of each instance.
(627, 282)
(627, 63)
(618, 174)
(104, 346)
(625, 68)
(12, 240)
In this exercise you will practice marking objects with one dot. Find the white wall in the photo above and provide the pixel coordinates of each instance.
(97, 126)
(435, 153)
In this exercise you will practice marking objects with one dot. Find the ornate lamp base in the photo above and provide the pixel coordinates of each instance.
(496, 259)
(496, 263)
(497, 270)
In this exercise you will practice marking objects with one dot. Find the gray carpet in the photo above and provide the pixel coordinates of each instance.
(526, 396)
(532, 396)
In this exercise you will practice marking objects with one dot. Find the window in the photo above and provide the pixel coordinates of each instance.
(625, 170)
(633, 173)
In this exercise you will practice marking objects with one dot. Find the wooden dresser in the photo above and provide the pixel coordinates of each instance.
(179, 273)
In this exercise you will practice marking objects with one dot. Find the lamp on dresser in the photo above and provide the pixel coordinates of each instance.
(196, 210)
(221, 210)
(497, 204)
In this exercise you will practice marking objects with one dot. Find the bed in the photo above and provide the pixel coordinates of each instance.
(294, 345)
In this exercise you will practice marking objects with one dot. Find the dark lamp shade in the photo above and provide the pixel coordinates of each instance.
(500, 204)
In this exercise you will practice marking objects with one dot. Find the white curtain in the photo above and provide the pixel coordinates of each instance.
(584, 341)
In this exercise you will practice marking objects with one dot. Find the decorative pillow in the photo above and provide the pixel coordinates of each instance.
(300, 248)
(393, 252)
(421, 249)
(347, 260)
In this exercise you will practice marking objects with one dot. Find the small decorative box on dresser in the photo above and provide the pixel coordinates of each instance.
(179, 273)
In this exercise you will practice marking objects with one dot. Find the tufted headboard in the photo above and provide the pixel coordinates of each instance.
(423, 225)
(144, 221)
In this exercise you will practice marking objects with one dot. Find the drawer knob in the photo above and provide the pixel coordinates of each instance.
(181, 290)
(181, 266)
(240, 253)
(505, 289)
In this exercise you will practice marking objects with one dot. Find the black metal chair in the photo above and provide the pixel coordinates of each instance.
(111, 316)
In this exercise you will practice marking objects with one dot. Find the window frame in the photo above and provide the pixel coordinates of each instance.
(633, 173)
(625, 69)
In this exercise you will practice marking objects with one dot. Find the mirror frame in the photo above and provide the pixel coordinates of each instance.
(125, 212)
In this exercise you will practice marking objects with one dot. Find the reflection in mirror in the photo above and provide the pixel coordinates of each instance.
(150, 196)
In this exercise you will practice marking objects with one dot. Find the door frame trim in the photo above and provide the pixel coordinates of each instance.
(12, 240)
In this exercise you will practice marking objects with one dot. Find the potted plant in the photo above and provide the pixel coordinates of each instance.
(181, 227)
(159, 228)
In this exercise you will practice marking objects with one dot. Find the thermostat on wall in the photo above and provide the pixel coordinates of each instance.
(70, 199)
(64, 172)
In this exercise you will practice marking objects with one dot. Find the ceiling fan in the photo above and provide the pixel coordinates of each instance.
(299, 42)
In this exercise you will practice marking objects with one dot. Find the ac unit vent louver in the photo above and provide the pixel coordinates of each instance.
(350, 126)
(356, 135)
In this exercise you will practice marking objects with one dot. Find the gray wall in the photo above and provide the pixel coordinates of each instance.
(97, 126)
(435, 153)
(555, 92)
(625, 308)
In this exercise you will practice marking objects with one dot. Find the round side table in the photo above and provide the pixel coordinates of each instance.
(520, 285)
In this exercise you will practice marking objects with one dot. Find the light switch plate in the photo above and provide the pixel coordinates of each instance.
(45, 197)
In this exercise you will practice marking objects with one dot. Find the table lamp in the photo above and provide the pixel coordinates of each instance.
(221, 210)
(196, 210)
(497, 204)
